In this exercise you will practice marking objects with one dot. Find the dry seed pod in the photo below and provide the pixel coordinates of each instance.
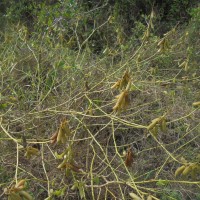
(154, 131)
(129, 158)
(161, 44)
(128, 85)
(179, 170)
(122, 83)
(125, 79)
(163, 126)
(61, 136)
(166, 44)
(20, 183)
(122, 101)
(116, 85)
(62, 165)
(64, 132)
(196, 103)
(153, 123)
(25, 195)
(134, 196)
(53, 138)
(187, 170)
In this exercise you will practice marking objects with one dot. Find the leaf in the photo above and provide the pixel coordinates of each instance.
(96, 180)
(81, 189)
(31, 151)
(59, 156)
(162, 183)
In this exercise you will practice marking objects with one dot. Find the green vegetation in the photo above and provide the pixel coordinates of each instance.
(99, 100)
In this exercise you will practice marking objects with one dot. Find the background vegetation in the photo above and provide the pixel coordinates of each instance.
(100, 99)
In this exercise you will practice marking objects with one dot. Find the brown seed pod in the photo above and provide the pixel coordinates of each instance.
(122, 101)
(129, 158)
(53, 138)
(20, 183)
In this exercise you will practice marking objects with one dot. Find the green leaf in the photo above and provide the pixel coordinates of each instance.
(81, 189)
(162, 183)
(96, 180)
